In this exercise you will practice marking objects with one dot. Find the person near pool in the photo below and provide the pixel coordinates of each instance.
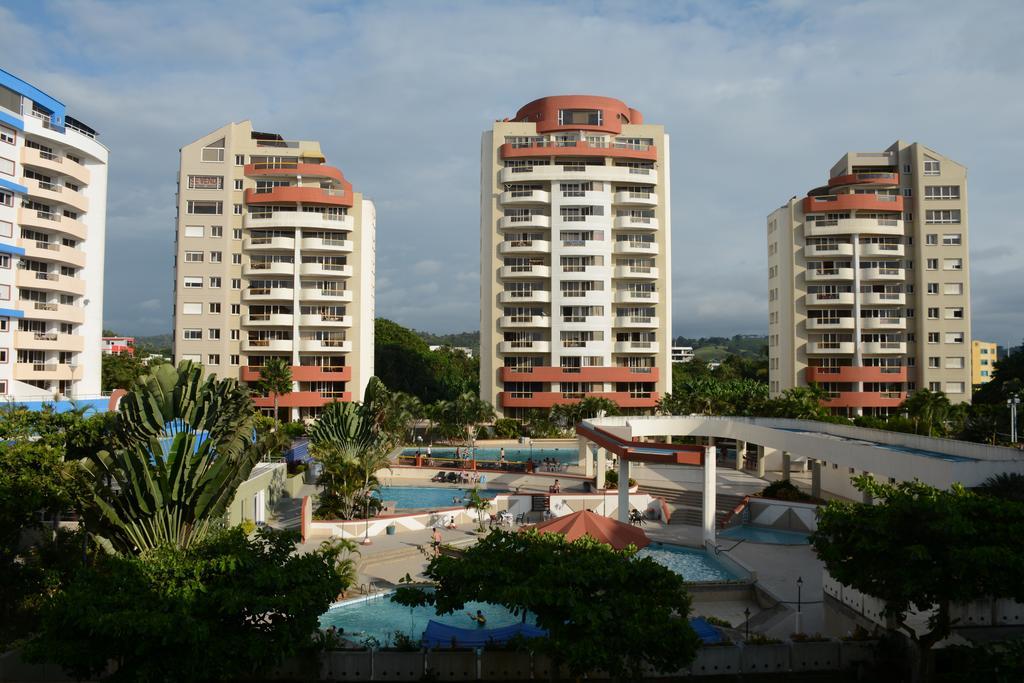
(436, 541)
(479, 618)
(556, 487)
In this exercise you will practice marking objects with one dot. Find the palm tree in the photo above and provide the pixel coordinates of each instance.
(182, 444)
(928, 410)
(475, 502)
(276, 379)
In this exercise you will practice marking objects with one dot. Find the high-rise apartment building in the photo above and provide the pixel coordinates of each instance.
(575, 256)
(53, 202)
(274, 259)
(868, 282)
(983, 361)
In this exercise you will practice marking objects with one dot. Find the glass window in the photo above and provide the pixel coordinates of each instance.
(192, 308)
(206, 182)
(213, 152)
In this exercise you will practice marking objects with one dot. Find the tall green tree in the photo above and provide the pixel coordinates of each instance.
(456, 418)
(929, 411)
(182, 445)
(276, 380)
(568, 415)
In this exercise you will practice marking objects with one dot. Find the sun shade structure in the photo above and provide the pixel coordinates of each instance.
(604, 529)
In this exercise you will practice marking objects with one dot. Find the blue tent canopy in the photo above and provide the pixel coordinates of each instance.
(441, 635)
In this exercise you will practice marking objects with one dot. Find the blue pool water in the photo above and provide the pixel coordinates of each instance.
(380, 618)
(562, 455)
(759, 534)
(692, 564)
(431, 497)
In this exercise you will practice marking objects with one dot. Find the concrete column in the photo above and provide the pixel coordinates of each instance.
(741, 452)
(709, 503)
(785, 465)
(601, 467)
(623, 490)
(760, 461)
(585, 462)
(816, 479)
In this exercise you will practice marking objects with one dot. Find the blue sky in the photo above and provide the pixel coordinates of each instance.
(760, 98)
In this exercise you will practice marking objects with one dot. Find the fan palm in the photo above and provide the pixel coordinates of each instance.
(275, 379)
(928, 410)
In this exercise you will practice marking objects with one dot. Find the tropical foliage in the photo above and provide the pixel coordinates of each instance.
(120, 370)
(404, 362)
(181, 446)
(275, 380)
(230, 606)
(350, 449)
(603, 609)
(455, 419)
(479, 505)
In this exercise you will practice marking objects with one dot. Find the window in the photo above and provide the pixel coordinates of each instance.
(910, 314)
(955, 362)
(236, 283)
(906, 168)
(193, 283)
(192, 308)
(3, 355)
(215, 282)
(194, 357)
(238, 209)
(213, 152)
(5, 261)
(933, 361)
(933, 287)
(4, 324)
(192, 334)
(931, 239)
(213, 359)
(235, 360)
(934, 216)
(8, 135)
(908, 216)
(942, 192)
(6, 229)
(238, 184)
(214, 307)
(953, 264)
(934, 386)
(908, 192)
(236, 309)
(193, 257)
(6, 198)
(933, 313)
(932, 264)
(236, 234)
(205, 208)
(954, 239)
(206, 182)
(239, 160)
(583, 117)
(932, 167)
(955, 313)
(213, 333)
(953, 288)
(215, 257)
(954, 337)
(216, 231)
(236, 259)
(933, 337)
(6, 166)
(954, 387)
(193, 231)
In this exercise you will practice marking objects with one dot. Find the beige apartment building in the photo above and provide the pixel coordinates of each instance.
(274, 258)
(983, 361)
(869, 284)
(575, 257)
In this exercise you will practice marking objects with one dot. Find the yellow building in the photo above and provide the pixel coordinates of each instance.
(983, 361)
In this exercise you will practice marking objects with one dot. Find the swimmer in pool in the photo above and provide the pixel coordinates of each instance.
(479, 618)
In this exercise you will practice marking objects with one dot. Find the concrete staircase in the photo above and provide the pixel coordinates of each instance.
(685, 506)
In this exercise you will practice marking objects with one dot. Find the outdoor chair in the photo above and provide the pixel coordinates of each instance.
(440, 476)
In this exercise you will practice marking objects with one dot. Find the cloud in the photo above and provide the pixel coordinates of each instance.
(760, 100)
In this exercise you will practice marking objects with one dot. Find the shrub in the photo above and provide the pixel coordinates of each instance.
(807, 638)
(403, 642)
(762, 639)
(293, 430)
(784, 489)
(715, 621)
(507, 428)
(611, 480)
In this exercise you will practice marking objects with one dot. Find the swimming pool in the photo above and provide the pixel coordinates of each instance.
(378, 617)
(518, 454)
(692, 564)
(760, 534)
(431, 497)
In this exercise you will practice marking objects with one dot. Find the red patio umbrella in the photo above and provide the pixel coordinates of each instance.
(604, 529)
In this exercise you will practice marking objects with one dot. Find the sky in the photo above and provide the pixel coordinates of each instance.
(759, 98)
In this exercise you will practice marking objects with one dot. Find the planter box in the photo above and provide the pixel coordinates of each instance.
(716, 661)
(397, 666)
(814, 656)
(452, 665)
(765, 658)
(853, 652)
(337, 665)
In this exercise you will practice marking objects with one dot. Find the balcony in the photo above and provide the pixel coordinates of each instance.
(304, 373)
(261, 346)
(636, 247)
(582, 374)
(548, 148)
(325, 345)
(830, 299)
(261, 294)
(268, 268)
(523, 197)
(812, 250)
(54, 163)
(575, 172)
(39, 310)
(524, 247)
(268, 244)
(883, 250)
(517, 321)
(637, 321)
(26, 372)
(894, 323)
(328, 245)
(883, 348)
(856, 374)
(52, 251)
(584, 247)
(325, 295)
(636, 222)
(888, 274)
(298, 219)
(880, 178)
(865, 399)
(52, 192)
(582, 221)
(845, 323)
(267, 320)
(633, 198)
(627, 296)
(293, 168)
(854, 226)
(325, 321)
(326, 270)
(637, 272)
(51, 282)
(304, 399)
(853, 202)
(535, 220)
(48, 341)
(830, 348)
(48, 220)
(537, 296)
(531, 271)
(636, 347)
(294, 194)
(524, 346)
(828, 274)
(882, 299)
(547, 399)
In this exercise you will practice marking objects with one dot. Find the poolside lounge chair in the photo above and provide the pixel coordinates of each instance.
(452, 478)
(440, 476)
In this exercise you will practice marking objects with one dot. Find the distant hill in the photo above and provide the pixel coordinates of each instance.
(157, 343)
(467, 339)
(718, 348)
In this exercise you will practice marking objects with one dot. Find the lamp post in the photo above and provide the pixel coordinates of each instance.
(746, 624)
(1012, 404)
(799, 600)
